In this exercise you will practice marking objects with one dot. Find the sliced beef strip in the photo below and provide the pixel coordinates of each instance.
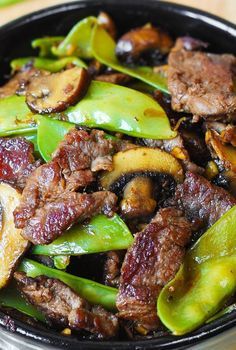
(202, 202)
(201, 83)
(53, 185)
(63, 307)
(51, 220)
(152, 261)
(16, 160)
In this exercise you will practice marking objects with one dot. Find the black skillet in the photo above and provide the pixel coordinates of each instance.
(15, 39)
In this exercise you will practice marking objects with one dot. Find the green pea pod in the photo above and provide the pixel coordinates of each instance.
(48, 64)
(192, 297)
(15, 116)
(100, 234)
(103, 47)
(205, 280)
(117, 108)
(32, 137)
(93, 292)
(50, 134)
(78, 40)
(45, 45)
(10, 297)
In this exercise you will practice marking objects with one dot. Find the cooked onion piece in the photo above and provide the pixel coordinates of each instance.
(55, 92)
(12, 244)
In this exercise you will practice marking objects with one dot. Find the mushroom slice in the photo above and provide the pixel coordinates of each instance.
(107, 23)
(142, 160)
(225, 152)
(55, 92)
(138, 198)
(12, 244)
(140, 40)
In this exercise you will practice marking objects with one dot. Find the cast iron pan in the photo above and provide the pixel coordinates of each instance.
(15, 39)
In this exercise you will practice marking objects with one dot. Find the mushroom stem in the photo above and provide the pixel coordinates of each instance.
(137, 200)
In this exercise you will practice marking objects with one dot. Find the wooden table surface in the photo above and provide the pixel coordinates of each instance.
(222, 8)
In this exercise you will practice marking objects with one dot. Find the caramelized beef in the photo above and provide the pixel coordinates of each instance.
(151, 262)
(201, 83)
(50, 221)
(80, 150)
(202, 202)
(49, 203)
(63, 307)
(16, 160)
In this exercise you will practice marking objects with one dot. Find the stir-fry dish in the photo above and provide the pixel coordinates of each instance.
(118, 183)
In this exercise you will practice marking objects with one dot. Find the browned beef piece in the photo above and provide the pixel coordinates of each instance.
(201, 83)
(19, 82)
(202, 202)
(63, 307)
(50, 221)
(112, 268)
(49, 204)
(149, 264)
(16, 160)
(80, 150)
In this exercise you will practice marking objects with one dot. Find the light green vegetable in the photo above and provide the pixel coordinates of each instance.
(15, 116)
(117, 108)
(93, 292)
(78, 40)
(45, 44)
(100, 234)
(48, 64)
(205, 281)
(103, 47)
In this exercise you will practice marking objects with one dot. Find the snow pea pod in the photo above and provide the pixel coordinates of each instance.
(11, 297)
(117, 108)
(78, 40)
(45, 45)
(93, 292)
(48, 64)
(50, 134)
(103, 47)
(100, 234)
(15, 116)
(205, 280)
